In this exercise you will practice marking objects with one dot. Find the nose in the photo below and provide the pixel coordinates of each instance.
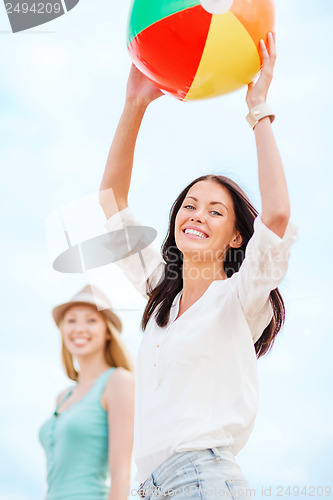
(79, 326)
(197, 216)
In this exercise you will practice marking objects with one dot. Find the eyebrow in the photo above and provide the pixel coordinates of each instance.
(211, 203)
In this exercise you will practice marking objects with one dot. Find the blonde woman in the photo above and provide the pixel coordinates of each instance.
(90, 434)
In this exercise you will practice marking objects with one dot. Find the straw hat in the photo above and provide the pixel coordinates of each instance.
(91, 295)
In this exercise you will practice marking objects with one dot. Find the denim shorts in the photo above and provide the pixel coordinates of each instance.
(197, 475)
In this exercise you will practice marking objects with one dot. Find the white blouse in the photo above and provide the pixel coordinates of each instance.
(196, 379)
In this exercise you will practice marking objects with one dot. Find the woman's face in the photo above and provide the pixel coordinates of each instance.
(84, 330)
(205, 222)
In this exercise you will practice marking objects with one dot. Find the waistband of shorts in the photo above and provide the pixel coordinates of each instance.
(166, 468)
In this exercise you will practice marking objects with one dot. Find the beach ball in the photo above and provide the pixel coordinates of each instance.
(196, 49)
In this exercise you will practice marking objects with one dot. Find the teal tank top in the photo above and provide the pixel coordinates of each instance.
(76, 447)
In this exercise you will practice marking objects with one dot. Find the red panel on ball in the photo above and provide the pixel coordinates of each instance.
(169, 51)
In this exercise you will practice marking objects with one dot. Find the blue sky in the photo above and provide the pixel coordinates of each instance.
(62, 87)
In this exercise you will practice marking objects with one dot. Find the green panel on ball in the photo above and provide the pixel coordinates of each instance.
(147, 12)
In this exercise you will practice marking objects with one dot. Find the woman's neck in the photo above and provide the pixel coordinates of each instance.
(90, 369)
(198, 276)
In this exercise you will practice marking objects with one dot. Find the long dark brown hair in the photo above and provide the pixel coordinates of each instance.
(162, 296)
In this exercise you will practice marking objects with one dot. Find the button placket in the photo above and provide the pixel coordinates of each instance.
(158, 347)
(156, 362)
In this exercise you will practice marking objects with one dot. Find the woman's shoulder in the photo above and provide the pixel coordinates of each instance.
(226, 284)
(120, 382)
(62, 394)
(119, 376)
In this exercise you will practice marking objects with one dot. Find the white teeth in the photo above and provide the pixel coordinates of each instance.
(79, 341)
(196, 233)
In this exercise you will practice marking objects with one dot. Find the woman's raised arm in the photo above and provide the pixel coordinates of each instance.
(118, 170)
(272, 181)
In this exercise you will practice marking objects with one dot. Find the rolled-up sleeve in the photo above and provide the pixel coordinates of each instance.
(143, 268)
(264, 267)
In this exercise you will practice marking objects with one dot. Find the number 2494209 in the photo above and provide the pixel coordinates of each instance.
(309, 491)
(35, 8)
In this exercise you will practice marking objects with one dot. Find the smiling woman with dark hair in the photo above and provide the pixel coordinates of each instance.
(213, 307)
(162, 296)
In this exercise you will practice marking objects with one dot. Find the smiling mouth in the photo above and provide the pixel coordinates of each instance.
(79, 341)
(195, 233)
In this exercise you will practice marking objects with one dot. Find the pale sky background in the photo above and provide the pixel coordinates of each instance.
(62, 87)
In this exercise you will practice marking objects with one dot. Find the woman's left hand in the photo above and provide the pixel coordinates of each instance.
(257, 92)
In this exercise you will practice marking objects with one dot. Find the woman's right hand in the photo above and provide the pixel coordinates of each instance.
(139, 87)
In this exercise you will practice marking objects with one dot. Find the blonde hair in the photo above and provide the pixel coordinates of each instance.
(116, 353)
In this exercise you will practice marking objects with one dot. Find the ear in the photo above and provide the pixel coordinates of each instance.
(237, 241)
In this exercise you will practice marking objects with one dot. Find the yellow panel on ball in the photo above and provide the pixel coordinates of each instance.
(222, 71)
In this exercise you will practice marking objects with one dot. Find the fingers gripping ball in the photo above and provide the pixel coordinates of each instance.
(196, 49)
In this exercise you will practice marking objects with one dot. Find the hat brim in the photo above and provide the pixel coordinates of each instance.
(59, 311)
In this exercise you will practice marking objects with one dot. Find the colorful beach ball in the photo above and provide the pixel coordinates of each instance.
(196, 49)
